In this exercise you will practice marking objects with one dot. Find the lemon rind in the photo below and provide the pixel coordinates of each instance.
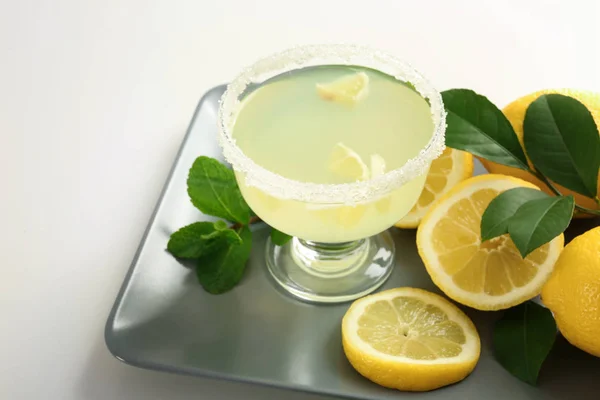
(481, 301)
(470, 349)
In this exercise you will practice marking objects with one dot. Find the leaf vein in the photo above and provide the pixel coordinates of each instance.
(233, 218)
(567, 150)
(504, 149)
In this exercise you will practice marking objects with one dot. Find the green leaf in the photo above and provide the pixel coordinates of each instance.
(220, 225)
(229, 234)
(200, 238)
(523, 338)
(279, 238)
(561, 139)
(221, 271)
(476, 125)
(223, 231)
(214, 191)
(539, 221)
(497, 215)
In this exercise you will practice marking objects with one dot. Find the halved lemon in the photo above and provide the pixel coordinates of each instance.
(452, 167)
(348, 89)
(515, 113)
(409, 339)
(488, 276)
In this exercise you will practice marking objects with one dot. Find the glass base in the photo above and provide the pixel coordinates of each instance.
(331, 273)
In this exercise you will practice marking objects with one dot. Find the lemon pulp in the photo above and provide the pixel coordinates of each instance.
(487, 275)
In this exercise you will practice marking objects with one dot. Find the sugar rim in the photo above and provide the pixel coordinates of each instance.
(311, 55)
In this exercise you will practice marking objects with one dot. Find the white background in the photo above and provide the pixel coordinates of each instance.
(95, 97)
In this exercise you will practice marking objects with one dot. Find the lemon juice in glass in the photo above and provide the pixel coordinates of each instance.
(331, 144)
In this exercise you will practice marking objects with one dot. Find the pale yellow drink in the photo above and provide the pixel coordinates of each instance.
(290, 127)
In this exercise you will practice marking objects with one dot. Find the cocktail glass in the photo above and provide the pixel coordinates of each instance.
(340, 249)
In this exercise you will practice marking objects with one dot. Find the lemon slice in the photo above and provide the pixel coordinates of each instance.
(345, 216)
(348, 89)
(377, 166)
(378, 169)
(452, 167)
(346, 163)
(409, 339)
(490, 275)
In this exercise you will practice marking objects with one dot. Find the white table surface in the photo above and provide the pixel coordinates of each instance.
(95, 97)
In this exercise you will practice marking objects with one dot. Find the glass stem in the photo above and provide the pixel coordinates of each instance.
(329, 259)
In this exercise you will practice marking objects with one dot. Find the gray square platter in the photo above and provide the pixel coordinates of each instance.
(163, 320)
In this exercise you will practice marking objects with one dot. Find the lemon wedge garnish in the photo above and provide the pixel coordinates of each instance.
(348, 89)
(409, 339)
(346, 163)
(377, 166)
(488, 276)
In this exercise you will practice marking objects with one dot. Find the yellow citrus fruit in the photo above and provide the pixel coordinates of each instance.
(346, 163)
(488, 276)
(345, 216)
(573, 292)
(348, 89)
(452, 167)
(377, 165)
(409, 339)
(515, 113)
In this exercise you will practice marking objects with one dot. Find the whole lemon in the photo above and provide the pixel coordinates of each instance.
(573, 292)
(515, 113)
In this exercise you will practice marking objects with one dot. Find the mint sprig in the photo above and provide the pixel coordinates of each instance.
(214, 191)
(221, 250)
(279, 238)
(222, 270)
(200, 238)
(561, 139)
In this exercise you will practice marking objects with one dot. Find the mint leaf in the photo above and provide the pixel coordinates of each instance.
(523, 338)
(229, 235)
(222, 231)
(200, 238)
(479, 127)
(497, 215)
(279, 238)
(561, 139)
(214, 191)
(220, 225)
(539, 221)
(222, 270)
